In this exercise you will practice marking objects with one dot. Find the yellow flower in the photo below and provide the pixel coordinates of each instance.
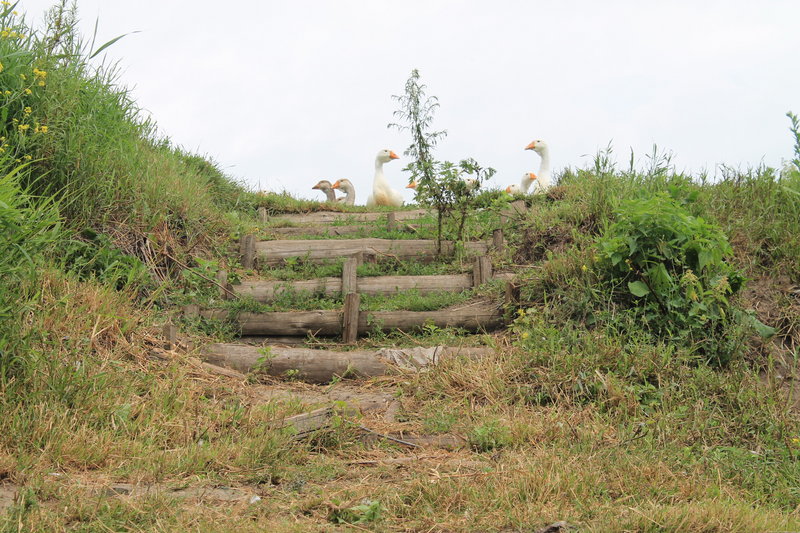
(27, 157)
(584, 268)
(23, 76)
(28, 91)
(6, 3)
(7, 93)
(41, 83)
(4, 34)
(43, 129)
(39, 73)
(24, 127)
(1, 67)
(525, 334)
(28, 110)
(2, 150)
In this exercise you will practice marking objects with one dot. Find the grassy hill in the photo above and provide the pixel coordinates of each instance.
(646, 382)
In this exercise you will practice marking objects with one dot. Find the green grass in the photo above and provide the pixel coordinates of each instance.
(297, 269)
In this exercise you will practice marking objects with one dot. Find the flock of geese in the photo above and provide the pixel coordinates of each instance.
(383, 194)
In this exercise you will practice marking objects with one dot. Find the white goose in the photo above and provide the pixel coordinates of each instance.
(349, 197)
(325, 186)
(543, 179)
(524, 185)
(382, 194)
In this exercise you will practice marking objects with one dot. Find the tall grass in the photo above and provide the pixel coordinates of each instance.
(27, 227)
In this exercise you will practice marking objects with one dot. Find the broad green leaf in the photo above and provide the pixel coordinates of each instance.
(638, 288)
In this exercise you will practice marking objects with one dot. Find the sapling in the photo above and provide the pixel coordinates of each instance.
(440, 184)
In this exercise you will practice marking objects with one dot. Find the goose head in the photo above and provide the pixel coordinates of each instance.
(513, 189)
(386, 155)
(343, 185)
(529, 176)
(323, 185)
(471, 183)
(537, 146)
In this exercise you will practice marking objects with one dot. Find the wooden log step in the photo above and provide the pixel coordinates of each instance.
(265, 291)
(321, 366)
(275, 252)
(322, 217)
(475, 316)
(330, 231)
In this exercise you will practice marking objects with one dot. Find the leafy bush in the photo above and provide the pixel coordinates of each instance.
(669, 268)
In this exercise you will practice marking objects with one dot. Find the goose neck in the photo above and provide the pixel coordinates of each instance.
(544, 165)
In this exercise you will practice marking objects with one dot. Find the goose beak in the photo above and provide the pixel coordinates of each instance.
(508, 189)
(531, 146)
(336, 185)
(412, 185)
(393, 155)
(531, 176)
(315, 186)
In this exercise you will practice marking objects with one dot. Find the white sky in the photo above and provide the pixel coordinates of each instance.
(284, 93)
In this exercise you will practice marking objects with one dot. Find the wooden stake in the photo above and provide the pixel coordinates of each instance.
(497, 240)
(170, 336)
(512, 293)
(262, 215)
(191, 310)
(225, 291)
(352, 303)
(391, 221)
(248, 249)
(349, 276)
(481, 271)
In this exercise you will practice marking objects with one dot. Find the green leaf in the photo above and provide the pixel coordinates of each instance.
(749, 319)
(638, 288)
(109, 43)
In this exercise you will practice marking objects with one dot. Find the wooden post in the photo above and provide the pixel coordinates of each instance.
(497, 240)
(391, 221)
(262, 215)
(365, 257)
(222, 279)
(191, 310)
(519, 207)
(349, 276)
(512, 293)
(352, 302)
(170, 336)
(481, 271)
(247, 246)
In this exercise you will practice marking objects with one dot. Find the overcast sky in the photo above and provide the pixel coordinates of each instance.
(284, 93)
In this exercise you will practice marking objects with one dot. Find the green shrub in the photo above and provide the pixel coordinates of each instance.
(669, 268)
